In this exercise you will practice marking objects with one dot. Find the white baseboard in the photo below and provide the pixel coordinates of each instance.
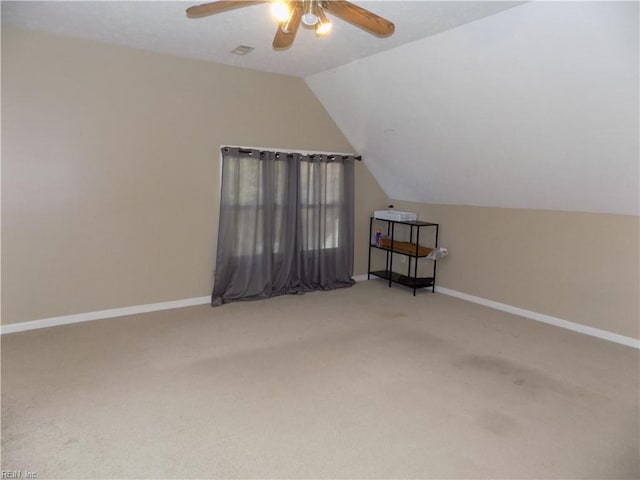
(540, 317)
(112, 313)
(101, 314)
(154, 307)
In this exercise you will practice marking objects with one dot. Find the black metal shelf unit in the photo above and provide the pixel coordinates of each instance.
(411, 279)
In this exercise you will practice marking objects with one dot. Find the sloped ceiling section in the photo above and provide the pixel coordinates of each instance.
(534, 107)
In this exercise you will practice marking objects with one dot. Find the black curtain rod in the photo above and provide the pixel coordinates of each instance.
(241, 150)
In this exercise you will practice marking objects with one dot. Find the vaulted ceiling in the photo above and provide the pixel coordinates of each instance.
(534, 107)
(508, 104)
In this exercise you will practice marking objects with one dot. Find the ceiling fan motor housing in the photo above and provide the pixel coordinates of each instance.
(309, 12)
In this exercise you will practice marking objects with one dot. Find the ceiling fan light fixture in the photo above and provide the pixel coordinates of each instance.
(323, 27)
(281, 11)
(290, 15)
(292, 23)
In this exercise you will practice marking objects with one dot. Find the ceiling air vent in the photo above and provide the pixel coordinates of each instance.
(242, 50)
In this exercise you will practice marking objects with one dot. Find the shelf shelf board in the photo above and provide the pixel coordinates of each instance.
(400, 252)
(419, 282)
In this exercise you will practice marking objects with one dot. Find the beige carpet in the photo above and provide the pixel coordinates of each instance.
(366, 382)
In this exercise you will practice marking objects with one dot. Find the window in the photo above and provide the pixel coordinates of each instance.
(321, 197)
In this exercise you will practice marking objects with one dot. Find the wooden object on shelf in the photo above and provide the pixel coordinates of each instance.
(404, 247)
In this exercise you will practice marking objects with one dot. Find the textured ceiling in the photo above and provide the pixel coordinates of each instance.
(164, 27)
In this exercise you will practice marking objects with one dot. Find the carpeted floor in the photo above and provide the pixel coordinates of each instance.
(365, 382)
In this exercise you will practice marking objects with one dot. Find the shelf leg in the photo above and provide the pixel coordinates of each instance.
(369, 261)
(393, 228)
(415, 270)
(433, 288)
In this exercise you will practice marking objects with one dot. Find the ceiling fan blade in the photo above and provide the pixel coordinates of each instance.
(360, 17)
(284, 39)
(217, 7)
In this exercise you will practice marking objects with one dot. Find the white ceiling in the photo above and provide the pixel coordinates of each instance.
(164, 27)
(534, 107)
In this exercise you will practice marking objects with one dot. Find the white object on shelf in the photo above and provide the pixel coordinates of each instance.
(395, 215)
(437, 253)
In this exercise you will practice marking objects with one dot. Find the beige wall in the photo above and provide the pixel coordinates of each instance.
(369, 197)
(581, 267)
(110, 191)
(110, 169)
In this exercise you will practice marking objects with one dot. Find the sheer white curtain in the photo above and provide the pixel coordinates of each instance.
(286, 224)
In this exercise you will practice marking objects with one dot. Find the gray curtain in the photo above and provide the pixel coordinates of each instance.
(286, 224)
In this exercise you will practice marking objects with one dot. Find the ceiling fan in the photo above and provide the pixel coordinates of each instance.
(311, 13)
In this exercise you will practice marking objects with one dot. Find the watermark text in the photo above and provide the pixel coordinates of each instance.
(22, 474)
